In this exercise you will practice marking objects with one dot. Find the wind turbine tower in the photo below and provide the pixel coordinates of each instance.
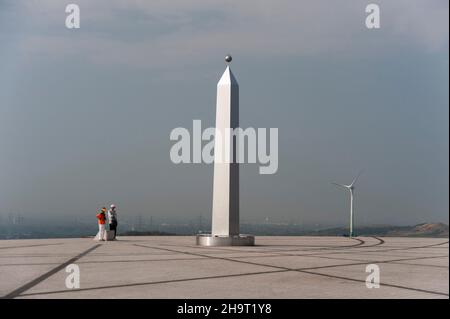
(351, 189)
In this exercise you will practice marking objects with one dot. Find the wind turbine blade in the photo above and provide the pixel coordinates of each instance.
(342, 185)
(356, 178)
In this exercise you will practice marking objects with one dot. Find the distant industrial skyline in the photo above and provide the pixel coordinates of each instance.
(85, 114)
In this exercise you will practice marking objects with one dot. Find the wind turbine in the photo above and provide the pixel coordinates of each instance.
(351, 188)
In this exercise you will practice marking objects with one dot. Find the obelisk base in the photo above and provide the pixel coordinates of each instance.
(210, 240)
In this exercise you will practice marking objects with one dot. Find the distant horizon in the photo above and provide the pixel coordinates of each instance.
(437, 230)
(36, 219)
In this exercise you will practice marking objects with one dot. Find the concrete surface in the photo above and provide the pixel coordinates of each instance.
(277, 267)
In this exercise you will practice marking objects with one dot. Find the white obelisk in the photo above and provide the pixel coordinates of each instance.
(225, 211)
(225, 208)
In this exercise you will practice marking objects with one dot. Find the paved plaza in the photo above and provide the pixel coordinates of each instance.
(277, 267)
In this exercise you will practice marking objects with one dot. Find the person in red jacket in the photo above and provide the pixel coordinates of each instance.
(101, 235)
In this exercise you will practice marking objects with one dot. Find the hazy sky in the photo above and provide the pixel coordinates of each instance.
(85, 114)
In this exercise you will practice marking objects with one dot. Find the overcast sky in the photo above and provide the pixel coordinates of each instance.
(85, 114)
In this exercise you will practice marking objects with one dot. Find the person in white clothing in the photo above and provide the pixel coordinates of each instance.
(112, 218)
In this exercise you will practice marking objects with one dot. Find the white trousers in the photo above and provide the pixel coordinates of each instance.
(101, 232)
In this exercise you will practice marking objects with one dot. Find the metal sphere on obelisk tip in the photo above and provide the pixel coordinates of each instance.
(225, 206)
